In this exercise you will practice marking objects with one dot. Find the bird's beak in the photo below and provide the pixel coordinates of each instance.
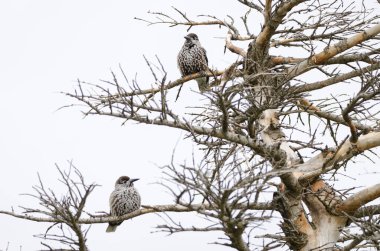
(133, 180)
(186, 37)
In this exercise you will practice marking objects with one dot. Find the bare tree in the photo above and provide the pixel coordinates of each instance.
(63, 212)
(263, 128)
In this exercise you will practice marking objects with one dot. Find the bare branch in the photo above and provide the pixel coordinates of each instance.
(331, 51)
(351, 204)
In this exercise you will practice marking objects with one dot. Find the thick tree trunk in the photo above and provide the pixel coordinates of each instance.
(321, 201)
(321, 230)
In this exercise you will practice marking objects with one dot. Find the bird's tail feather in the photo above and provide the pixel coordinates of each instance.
(203, 84)
(111, 228)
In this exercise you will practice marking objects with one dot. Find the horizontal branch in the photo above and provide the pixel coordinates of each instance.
(335, 80)
(276, 60)
(352, 203)
(166, 87)
(313, 110)
(367, 211)
(303, 38)
(333, 50)
(323, 162)
(141, 211)
(173, 22)
(213, 132)
(173, 229)
(344, 59)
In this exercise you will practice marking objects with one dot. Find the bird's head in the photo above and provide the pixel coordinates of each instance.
(192, 38)
(125, 181)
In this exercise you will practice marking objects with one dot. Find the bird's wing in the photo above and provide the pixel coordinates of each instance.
(179, 62)
(205, 55)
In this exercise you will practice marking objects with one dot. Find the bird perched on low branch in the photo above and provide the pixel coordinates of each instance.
(123, 200)
(192, 58)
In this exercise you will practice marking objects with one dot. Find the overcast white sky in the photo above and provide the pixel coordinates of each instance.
(45, 46)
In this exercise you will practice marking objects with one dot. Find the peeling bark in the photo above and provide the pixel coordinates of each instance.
(321, 200)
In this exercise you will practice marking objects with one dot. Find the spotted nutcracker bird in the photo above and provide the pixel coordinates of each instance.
(123, 200)
(192, 58)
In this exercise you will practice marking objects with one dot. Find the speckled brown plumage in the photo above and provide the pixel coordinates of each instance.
(192, 58)
(123, 200)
